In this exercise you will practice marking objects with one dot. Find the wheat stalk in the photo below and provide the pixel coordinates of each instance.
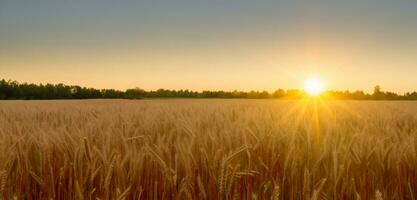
(3, 179)
(201, 188)
(378, 195)
(36, 178)
(222, 178)
(87, 148)
(78, 191)
(275, 192)
(124, 194)
(316, 192)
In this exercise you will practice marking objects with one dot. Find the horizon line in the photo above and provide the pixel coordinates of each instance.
(203, 90)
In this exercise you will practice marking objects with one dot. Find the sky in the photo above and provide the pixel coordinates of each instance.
(212, 44)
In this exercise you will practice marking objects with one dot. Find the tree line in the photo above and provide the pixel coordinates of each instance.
(15, 90)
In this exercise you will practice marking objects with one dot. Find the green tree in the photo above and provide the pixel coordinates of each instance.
(135, 93)
(378, 94)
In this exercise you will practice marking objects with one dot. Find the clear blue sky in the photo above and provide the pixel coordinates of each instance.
(214, 44)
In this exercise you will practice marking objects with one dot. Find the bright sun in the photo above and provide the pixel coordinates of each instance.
(313, 86)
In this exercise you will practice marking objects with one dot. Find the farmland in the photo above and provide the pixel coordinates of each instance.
(208, 149)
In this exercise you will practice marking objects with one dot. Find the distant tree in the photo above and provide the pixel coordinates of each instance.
(264, 94)
(378, 94)
(294, 94)
(239, 94)
(135, 93)
(359, 95)
(278, 93)
(253, 95)
(4, 89)
(411, 96)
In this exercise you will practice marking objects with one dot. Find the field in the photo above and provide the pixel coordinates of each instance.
(208, 149)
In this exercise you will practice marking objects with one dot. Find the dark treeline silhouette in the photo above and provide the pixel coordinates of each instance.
(16, 90)
(377, 94)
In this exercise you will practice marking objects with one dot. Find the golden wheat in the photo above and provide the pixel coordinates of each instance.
(3, 177)
(208, 149)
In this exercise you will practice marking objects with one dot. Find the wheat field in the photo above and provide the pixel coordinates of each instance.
(208, 149)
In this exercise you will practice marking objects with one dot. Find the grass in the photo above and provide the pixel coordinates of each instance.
(208, 149)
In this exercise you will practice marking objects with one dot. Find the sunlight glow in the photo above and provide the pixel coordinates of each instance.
(313, 86)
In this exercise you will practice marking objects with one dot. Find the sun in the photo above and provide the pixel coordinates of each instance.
(313, 86)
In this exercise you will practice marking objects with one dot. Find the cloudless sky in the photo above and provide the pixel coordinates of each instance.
(211, 44)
